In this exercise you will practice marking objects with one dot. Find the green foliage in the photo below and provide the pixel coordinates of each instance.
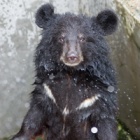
(38, 138)
(124, 132)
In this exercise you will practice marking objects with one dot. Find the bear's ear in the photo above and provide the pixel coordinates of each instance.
(108, 21)
(43, 14)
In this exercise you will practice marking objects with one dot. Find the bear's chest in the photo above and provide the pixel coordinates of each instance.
(72, 92)
(74, 98)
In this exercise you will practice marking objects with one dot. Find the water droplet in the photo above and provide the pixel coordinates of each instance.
(17, 79)
(110, 88)
(9, 54)
(79, 90)
(51, 76)
(27, 105)
(94, 130)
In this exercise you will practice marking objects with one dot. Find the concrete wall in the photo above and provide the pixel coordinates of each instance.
(18, 38)
(127, 59)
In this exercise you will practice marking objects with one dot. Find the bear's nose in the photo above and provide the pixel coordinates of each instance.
(72, 57)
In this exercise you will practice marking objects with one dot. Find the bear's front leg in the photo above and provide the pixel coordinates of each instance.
(32, 125)
(37, 117)
(107, 129)
(103, 119)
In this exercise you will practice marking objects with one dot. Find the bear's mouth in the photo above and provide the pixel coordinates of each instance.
(71, 60)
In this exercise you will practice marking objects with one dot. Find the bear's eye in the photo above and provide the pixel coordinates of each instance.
(61, 39)
(82, 39)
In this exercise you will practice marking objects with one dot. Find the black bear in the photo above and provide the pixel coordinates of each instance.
(75, 94)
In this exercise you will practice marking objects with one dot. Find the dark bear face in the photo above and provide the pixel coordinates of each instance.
(71, 47)
(75, 41)
(71, 38)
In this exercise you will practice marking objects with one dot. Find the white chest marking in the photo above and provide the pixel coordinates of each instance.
(65, 111)
(49, 92)
(88, 102)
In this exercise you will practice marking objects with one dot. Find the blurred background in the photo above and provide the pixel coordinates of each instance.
(19, 37)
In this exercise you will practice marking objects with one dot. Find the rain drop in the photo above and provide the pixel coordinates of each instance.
(110, 88)
(51, 76)
(94, 130)
(79, 90)
(27, 105)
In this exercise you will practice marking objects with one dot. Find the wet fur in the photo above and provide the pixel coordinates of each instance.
(56, 109)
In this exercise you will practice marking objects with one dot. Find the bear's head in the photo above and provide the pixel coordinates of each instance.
(74, 42)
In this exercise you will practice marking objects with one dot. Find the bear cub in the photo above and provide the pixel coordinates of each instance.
(75, 94)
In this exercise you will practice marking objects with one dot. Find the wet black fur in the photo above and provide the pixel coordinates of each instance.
(72, 85)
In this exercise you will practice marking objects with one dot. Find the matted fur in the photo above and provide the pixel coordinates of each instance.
(71, 93)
